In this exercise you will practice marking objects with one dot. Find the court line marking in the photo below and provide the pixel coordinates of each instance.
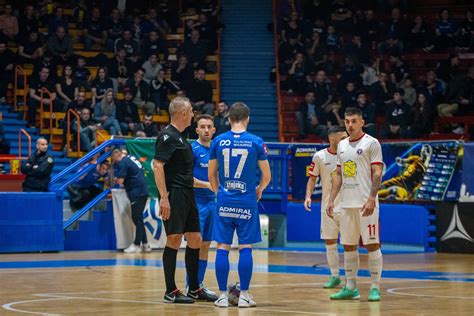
(396, 292)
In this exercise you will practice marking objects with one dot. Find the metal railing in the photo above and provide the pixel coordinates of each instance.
(78, 131)
(19, 71)
(20, 133)
(78, 214)
(50, 97)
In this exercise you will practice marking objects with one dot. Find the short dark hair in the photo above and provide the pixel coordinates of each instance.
(401, 92)
(336, 129)
(238, 112)
(204, 117)
(105, 163)
(353, 111)
(360, 93)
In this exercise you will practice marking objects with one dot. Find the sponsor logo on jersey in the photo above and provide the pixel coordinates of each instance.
(350, 169)
(203, 165)
(224, 142)
(235, 212)
(235, 185)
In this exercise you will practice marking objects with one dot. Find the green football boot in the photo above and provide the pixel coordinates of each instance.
(374, 295)
(346, 294)
(332, 283)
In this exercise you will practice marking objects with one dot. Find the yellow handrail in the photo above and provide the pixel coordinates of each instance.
(78, 132)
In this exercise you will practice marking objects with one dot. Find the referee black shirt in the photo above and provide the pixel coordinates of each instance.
(174, 150)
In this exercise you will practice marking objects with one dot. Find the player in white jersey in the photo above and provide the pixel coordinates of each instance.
(323, 165)
(359, 173)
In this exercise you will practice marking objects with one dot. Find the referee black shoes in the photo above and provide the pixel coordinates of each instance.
(177, 297)
(202, 295)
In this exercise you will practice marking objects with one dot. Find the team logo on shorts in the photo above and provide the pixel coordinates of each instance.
(235, 212)
(359, 151)
(350, 169)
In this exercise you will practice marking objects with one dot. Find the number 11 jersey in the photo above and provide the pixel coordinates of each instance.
(237, 155)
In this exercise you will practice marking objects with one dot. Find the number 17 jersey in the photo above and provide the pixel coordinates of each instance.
(237, 155)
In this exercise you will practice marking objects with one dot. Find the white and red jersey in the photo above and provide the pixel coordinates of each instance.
(355, 158)
(324, 165)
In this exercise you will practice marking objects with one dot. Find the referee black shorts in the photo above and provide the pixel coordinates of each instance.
(184, 214)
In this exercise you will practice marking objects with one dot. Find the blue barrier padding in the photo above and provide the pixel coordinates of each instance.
(31, 222)
(399, 223)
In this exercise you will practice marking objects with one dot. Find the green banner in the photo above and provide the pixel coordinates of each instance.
(144, 151)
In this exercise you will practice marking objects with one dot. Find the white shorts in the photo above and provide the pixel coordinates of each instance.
(329, 226)
(354, 226)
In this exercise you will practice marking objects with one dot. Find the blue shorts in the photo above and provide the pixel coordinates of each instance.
(206, 208)
(244, 220)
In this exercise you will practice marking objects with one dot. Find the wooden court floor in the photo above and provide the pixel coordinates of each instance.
(284, 283)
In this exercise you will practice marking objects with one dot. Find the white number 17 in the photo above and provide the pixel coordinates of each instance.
(235, 152)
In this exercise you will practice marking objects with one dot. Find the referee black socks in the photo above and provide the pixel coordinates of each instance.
(169, 266)
(191, 259)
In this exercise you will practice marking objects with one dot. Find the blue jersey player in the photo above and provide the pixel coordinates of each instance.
(205, 198)
(234, 159)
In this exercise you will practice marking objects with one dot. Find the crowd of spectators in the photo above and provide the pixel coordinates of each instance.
(339, 53)
(135, 34)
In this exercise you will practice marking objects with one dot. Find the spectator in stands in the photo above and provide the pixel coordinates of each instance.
(221, 120)
(48, 62)
(127, 112)
(4, 143)
(79, 14)
(153, 23)
(381, 92)
(315, 9)
(80, 103)
(398, 69)
(88, 129)
(391, 45)
(357, 49)
(120, 69)
(136, 28)
(28, 22)
(341, 16)
(331, 65)
(316, 51)
(105, 113)
(169, 11)
(8, 25)
(182, 71)
(285, 7)
(57, 20)
(466, 40)
(323, 93)
(433, 89)
(333, 42)
(153, 44)
(82, 74)
(115, 27)
(160, 89)
(396, 29)
(335, 116)
(349, 96)
(288, 50)
(101, 84)
(350, 71)
(208, 33)
(368, 27)
(422, 114)
(67, 89)
(456, 102)
(309, 118)
(94, 31)
(38, 168)
(297, 75)
(418, 33)
(141, 92)
(60, 45)
(199, 92)
(409, 95)
(30, 48)
(130, 45)
(447, 68)
(368, 113)
(398, 117)
(195, 49)
(146, 128)
(86, 188)
(7, 67)
(152, 68)
(36, 94)
(446, 30)
(292, 28)
(371, 72)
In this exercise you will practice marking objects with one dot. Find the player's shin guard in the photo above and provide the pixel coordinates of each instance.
(351, 266)
(202, 270)
(222, 268)
(375, 268)
(191, 259)
(245, 268)
(333, 259)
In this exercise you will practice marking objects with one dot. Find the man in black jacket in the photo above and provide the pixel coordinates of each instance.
(309, 118)
(199, 91)
(147, 128)
(141, 91)
(221, 120)
(88, 127)
(38, 168)
(398, 119)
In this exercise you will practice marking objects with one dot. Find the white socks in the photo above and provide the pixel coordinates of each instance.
(375, 268)
(333, 259)
(351, 266)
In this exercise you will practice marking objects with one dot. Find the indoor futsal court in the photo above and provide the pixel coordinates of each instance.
(285, 283)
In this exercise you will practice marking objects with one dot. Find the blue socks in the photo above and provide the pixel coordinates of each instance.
(245, 268)
(222, 268)
(202, 270)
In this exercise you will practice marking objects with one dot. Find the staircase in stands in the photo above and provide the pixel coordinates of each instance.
(247, 55)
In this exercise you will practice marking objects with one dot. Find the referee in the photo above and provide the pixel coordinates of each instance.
(173, 171)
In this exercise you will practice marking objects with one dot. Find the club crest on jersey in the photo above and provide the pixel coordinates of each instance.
(350, 169)
(359, 151)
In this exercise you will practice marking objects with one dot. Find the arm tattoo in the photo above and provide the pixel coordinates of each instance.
(375, 185)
